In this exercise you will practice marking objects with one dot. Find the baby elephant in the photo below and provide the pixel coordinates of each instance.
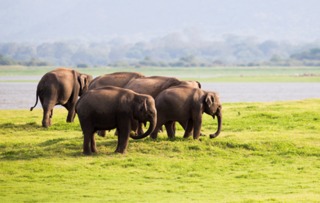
(110, 107)
(186, 105)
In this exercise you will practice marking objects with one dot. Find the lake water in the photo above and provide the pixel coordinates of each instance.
(22, 95)
(264, 92)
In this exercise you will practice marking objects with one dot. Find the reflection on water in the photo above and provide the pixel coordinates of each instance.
(22, 95)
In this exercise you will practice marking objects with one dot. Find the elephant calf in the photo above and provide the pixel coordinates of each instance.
(113, 107)
(186, 105)
(60, 86)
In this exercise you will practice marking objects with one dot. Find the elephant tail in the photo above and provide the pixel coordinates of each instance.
(31, 108)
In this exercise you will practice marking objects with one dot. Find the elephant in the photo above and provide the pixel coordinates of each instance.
(111, 107)
(152, 85)
(61, 86)
(186, 105)
(117, 79)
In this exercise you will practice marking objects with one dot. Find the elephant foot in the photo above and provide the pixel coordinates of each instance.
(120, 151)
(87, 153)
(69, 121)
(172, 137)
(46, 125)
(94, 150)
(153, 136)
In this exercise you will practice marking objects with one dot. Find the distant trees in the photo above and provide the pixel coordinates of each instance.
(312, 54)
(171, 50)
(310, 57)
(6, 60)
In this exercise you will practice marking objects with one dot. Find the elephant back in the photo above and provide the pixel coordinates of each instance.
(117, 79)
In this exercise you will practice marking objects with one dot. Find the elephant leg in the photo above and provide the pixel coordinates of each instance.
(156, 130)
(188, 128)
(170, 130)
(93, 144)
(124, 129)
(174, 127)
(50, 118)
(154, 134)
(136, 127)
(123, 140)
(47, 115)
(197, 122)
(89, 144)
(71, 112)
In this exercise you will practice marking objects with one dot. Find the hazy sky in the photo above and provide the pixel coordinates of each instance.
(48, 20)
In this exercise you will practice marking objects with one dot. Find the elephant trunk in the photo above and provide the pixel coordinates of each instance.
(219, 116)
(153, 122)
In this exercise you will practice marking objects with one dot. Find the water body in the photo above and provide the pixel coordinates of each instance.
(264, 92)
(22, 95)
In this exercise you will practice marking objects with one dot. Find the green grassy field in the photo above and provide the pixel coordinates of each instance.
(267, 152)
(202, 74)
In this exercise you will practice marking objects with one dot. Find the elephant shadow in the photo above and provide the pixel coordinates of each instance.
(49, 148)
(20, 127)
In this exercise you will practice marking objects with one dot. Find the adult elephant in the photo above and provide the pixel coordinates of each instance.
(186, 105)
(152, 85)
(61, 86)
(110, 107)
(117, 79)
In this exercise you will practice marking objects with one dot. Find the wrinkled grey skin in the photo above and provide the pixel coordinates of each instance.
(61, 86)
(186, 105)
(109, 108)
(117, 79)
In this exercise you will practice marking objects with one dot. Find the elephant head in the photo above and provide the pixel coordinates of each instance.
(145, 111)
(84, 81)
(213, 107)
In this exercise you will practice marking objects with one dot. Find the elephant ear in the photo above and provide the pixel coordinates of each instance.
(209, 99)
(199, 84)
(144, 106)
(82, 80)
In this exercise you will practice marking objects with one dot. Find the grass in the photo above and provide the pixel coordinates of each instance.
(267, 152)
(202, 74)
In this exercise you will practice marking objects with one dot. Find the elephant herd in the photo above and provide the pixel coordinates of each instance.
(124, 101)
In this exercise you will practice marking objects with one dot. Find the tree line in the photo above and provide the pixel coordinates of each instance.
(172, 50)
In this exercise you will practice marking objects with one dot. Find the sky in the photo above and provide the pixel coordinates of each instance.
(96, 20)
